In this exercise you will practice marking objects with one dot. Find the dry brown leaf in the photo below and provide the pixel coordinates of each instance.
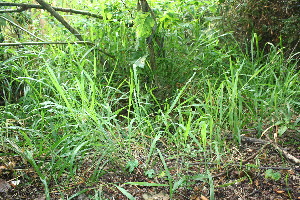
(279, 191)
(4, 186)
(203, 198)
(256, 183)
(11, 165)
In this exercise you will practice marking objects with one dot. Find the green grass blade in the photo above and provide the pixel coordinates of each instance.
(125, 192)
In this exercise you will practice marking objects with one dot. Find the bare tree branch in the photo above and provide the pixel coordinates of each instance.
(23, 7)
(44, 43)
(49, 43)
(60, 19)
(52, 11)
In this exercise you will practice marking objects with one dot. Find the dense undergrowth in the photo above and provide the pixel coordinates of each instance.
(70, 111)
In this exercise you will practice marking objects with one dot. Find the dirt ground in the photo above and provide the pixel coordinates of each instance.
(237, 178)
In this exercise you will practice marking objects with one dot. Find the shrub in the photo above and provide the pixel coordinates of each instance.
(273, 21)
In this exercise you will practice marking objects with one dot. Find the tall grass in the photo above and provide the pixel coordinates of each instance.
(76, 112)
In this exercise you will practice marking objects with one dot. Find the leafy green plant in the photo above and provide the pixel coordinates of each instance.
(131, 165)
(270, 174)
(150, 173)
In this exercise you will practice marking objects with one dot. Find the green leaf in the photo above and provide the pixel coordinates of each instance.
(203, 134)
(282, 130)
(161, 175)
(249, 166)
(169, 19)
(143, 24)
(2, 22)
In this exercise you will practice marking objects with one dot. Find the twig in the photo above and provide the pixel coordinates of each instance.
(265, 131)
(266, 143)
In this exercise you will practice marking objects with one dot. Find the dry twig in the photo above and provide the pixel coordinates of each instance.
(244, 161)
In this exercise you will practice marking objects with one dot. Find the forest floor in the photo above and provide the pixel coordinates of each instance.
(236, 178)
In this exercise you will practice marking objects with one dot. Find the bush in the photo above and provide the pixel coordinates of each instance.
(273, 21)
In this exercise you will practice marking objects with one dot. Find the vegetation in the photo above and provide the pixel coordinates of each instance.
(273, 22)
(79, 123)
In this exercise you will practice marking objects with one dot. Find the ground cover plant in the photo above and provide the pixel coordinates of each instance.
(160, 103)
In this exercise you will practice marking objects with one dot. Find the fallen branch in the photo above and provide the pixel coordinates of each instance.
(285, 153)
(24, 7)
(253, 140)
(247, 166)
(49, 43)
(269, 141)
(244, 161)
